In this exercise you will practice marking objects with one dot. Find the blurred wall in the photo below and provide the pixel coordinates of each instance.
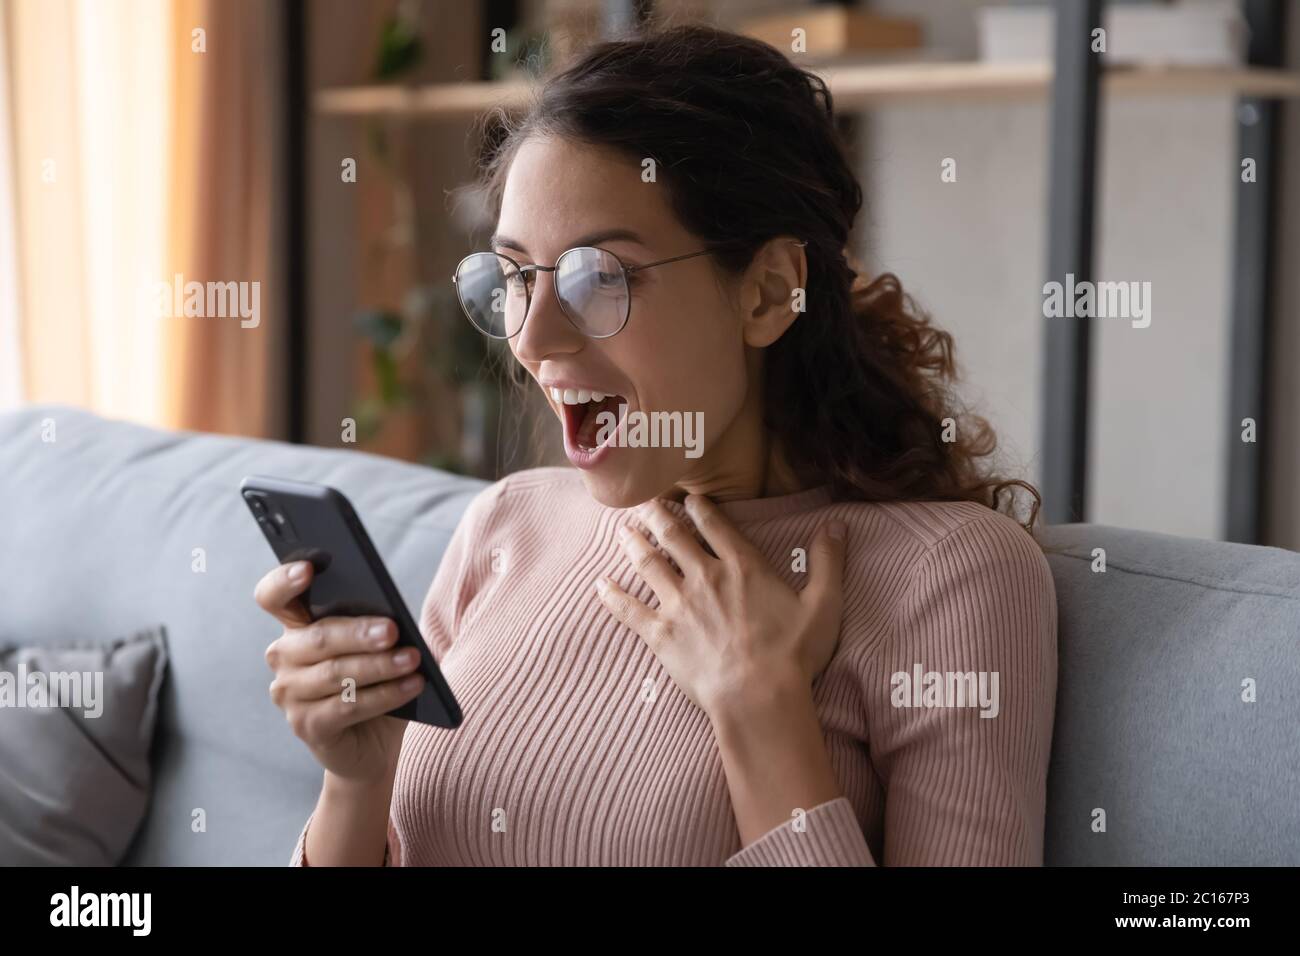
(1283, 512)
(973, 252)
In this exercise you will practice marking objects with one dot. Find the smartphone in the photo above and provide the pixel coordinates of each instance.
(309, 522)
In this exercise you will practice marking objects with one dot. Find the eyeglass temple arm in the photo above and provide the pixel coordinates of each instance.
(534, 268)
(664, 262)
(689, 255)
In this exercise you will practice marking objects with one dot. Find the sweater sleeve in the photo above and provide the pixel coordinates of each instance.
(466, 564)
(827, 835)
(454, 585)
(392, 852)
(963, 752)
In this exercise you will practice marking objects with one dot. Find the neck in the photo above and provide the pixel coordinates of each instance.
(746, 462)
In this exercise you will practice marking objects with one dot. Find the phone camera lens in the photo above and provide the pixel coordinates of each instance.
(281, 522)
(257, 504)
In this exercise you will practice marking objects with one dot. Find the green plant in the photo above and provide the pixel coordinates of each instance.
(430, 321)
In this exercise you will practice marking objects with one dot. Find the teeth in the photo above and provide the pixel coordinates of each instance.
(576, 396)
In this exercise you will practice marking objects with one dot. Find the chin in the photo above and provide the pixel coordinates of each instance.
(625, 488)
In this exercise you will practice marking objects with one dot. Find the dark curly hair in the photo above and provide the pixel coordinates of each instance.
(858, 391)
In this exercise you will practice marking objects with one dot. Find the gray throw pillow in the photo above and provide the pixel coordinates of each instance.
(76, 726)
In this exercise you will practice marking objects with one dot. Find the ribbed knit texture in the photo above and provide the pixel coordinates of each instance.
(577, 748)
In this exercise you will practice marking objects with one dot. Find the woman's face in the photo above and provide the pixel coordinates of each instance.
(683, 349)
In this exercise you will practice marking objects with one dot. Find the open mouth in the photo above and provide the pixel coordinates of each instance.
(590, 418)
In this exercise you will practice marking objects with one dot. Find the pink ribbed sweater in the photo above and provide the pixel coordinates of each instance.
(577, 748)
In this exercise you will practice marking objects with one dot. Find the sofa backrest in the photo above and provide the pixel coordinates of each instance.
(100, 530)
(1178, 701)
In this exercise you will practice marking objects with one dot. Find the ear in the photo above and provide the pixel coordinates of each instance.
(773, 290)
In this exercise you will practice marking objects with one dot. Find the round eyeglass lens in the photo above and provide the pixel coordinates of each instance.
(493, 294)
(592, 290)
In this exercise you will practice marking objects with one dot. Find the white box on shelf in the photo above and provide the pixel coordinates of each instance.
(1203, 33)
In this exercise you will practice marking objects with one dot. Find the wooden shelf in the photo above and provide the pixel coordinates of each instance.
(860, 87)
(447, 99)
(853, 86)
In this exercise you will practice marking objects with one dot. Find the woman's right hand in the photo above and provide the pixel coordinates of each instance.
(349, 736)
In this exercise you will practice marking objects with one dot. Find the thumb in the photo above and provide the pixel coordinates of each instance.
(824, 590)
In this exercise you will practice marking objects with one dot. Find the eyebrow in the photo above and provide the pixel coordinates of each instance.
(604, 235)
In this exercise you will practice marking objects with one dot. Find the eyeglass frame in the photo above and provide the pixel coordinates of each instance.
(529, 273)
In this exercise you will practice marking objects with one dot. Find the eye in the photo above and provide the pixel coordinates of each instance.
(515, 279)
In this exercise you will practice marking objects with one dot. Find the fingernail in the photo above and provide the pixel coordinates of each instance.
(404, 657)
(411, 683)
(837, 530)
(378, 632)
(624, 531)
(298, 572)
(601, 585)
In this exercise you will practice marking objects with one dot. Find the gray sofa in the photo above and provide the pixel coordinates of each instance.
(99, 528)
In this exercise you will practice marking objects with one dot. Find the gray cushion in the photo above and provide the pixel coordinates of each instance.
(1151, 726)
(76, 724)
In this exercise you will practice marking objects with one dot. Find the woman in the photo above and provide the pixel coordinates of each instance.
(835, 651)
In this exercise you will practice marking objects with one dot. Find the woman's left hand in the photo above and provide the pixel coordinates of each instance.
(728, 629)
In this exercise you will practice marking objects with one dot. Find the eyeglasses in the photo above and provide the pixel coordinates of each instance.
(591, 284)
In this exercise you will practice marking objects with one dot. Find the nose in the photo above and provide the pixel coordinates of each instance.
(546, 331)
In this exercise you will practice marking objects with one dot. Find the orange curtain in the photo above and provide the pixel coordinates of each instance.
(142, 153)
(221, 373)
(86, 118)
